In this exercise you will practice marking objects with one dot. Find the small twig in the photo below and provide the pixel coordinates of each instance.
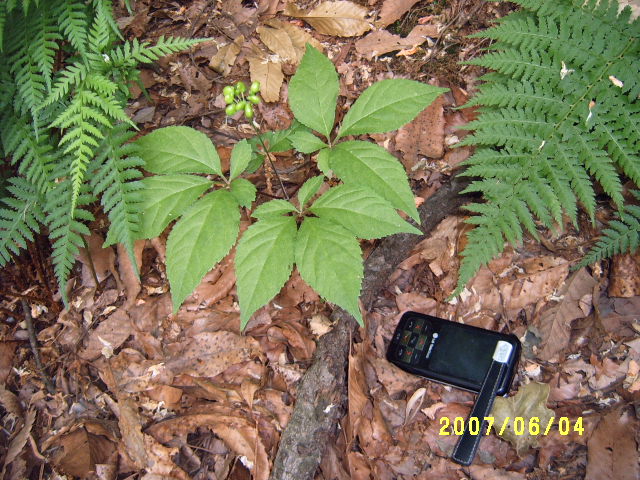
(33, 340)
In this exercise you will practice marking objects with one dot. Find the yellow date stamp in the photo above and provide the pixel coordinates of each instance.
(520, 425)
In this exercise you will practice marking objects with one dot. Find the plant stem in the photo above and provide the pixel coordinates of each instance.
(268, 155)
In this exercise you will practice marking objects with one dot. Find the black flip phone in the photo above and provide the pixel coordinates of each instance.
(475, 359)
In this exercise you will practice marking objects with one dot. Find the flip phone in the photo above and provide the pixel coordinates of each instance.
(475, 359)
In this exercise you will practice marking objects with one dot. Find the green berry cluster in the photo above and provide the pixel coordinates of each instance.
(234, 97)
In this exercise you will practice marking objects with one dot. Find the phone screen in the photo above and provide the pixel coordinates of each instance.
(473, 358)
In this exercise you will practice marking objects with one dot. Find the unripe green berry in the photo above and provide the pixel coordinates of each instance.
(231, 109)
(240, 105)
(255, 87)
(255, 99)
(240, 88)
(228, 99)
(248, 111)
(228, 90)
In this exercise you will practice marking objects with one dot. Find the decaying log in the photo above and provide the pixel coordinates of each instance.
(322, 393)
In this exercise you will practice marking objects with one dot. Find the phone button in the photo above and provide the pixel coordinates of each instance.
(416, 357)
(400, 352)
(413, 340)
(411, 323)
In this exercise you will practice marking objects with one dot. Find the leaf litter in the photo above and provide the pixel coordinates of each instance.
(141, 391)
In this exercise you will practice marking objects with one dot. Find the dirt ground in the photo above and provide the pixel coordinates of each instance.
(128, 390)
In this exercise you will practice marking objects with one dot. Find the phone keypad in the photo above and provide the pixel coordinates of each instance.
(412, 340)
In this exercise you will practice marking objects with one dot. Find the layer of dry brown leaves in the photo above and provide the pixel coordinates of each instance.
(140, 391)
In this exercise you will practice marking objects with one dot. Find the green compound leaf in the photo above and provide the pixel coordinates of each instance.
(306, 142)
(387, 105)
(200, 239)
(243, 191)
(273, 208)
(240, 158)
(323, 162)
(368, 165)
(329, 259)
(178, 150)
(165, 198)
(264, 260)
(361, 211)
(313, 92)
(309, 189)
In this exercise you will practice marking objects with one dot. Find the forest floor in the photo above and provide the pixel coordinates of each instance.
(130, 390)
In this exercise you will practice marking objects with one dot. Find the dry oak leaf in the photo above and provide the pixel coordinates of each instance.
(612, 448)
(269, 74)
(530, 401)
(381, 41)
(299, 38)
(343, 19)
(279, 43)
(392, 10)
(555, 323)
(208, 354)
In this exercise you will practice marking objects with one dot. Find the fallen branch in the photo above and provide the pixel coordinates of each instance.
(322, 394)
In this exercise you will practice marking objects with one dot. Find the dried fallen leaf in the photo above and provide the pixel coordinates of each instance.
(278, 42)
(101, 259)
(382, 41)
(530, 401)
(555, 323)
(270, 76)
(299, 38)
(143, 449)
(424, 135)
(320, 325)
(19, 441)
(625, 276)
(357, 390)
(414, 404)
(81, 451)
(7, 352)
(343, 18)
(225, 58)
(392, 10)
(208, 354)
(10, 402)
(238, 433)
(612, 448)
(130, 280)
(112, 332)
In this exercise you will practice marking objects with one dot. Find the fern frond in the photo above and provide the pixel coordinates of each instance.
(621, 236)
(73, 23)
(23, 61)
(116, 180)
(561, 112)
(30, 146)
(135, 51)
(19, 218)
(68, 78)
(66, 227)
